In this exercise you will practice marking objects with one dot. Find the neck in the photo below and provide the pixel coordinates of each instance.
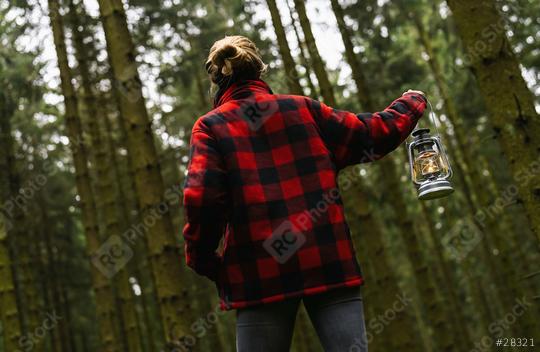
(225, 82)
(240, 89)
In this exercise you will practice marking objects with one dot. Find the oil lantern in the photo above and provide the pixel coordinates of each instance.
(430, 169)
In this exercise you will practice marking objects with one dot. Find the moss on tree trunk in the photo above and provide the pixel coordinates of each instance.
(106, 191)
(163, 250)
(508, 100)
(105, 303)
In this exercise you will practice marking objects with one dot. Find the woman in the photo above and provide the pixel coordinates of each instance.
(262, 175)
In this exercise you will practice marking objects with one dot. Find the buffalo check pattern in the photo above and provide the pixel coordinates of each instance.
(264, 165)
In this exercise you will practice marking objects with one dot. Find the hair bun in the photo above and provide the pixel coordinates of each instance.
(232, 55)
(226, 51)
(225, 55)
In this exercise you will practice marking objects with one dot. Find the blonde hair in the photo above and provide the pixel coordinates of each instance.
(234, 56)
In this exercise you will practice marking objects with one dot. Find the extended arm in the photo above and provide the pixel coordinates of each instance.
(359, 138)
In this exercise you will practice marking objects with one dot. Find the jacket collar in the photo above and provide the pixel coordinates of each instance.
(241, 90)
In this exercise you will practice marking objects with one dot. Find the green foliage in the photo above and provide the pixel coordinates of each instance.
(172, 38)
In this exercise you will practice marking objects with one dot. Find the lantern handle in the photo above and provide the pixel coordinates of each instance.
(434, 119)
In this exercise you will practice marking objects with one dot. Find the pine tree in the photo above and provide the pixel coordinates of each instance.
(20, 229)
(106, 191)
(303, 54)
(138, 269)
(162, 246)
(470, 169)
(325, 87)
(9, 313)
(9, 189)
(436, 313)
(363, 93)
(104, 295)
(385, 292)
(288, 62)
(507, 98)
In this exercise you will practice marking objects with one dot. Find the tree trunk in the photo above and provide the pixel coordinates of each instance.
(127, 206)
(303, 55)
(12, 212)
(291, 74)
(436, 312)
(67, 315)
(363, 93)
(449, 284)
(471, 166)
(102, 289)
(508, 99)
(9, 313)
(126, 175)
(106, 192)
(386, 295)
(325, 86)
(204, 102)
(47, 257)
(163, 249)
(196, 59)
(59, 336)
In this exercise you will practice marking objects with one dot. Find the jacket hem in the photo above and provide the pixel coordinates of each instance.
(357, 281)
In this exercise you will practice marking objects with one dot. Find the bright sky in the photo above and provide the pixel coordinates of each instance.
(326, 34)
(323, 25)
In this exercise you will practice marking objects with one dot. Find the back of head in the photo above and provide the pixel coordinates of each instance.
(232, 58)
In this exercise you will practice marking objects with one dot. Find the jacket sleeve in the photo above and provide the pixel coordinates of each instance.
(359, 138)
(205, 203)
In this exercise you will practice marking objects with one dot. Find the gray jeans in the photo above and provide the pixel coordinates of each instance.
(337, 316)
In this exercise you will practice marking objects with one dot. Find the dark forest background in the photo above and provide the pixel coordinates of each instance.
(97, 101)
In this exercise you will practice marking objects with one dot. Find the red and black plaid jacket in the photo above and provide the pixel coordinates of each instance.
(262, 173)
